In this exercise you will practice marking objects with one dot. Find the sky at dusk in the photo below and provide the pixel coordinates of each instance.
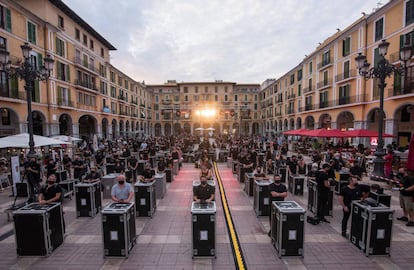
(243, 41)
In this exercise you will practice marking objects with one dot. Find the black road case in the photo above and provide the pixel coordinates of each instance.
(60, 176)
(118, 229)
(313, 199)
(282, 172)
(234, 165)
(371, 228)
(295, 184)
(68, 187)
(382, 198)
(287, 228)
(248, 183)
(38, 229)
(88, 199)
(342, 179)
(160, 185)
(261, 200)
(204, 229)
(169, 175)
(145, 200)
(108, 182)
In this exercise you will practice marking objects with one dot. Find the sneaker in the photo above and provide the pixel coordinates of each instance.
(403, 218)
(410, 224)
(344, 234)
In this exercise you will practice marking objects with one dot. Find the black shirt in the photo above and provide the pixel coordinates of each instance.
(204, 192)
(50, 192)
(350, 195)
(407, 182)
(132, 161)
(276, 188)
(77, 163)
(148, 174)
(322, 189)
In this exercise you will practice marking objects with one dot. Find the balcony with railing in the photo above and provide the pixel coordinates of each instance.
(399, 90)
(86, 84)
(325, 63)
(290, 111)
(279, 99)
(309, 107)
(324, 84)
(278, 114)
(14, 94)
(80, 62)
(85, 107)
(309, 89)
(351, 74)
(123, 98)
(166, 101)
(291, 96)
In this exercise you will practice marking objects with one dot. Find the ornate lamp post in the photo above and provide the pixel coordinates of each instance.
(381, 71)
(29, 73)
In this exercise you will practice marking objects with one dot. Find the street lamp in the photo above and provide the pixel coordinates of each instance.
(381, 71)
(29, 73)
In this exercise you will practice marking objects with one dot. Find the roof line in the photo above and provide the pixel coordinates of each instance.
(69, 12)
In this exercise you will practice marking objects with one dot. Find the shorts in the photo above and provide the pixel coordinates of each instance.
(407, 203)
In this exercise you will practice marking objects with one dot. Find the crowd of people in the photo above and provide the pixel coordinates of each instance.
(258, 154)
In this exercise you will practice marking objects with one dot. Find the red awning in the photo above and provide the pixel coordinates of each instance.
(366, 133)
(325, 133)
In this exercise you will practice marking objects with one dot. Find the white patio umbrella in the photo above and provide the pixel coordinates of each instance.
(199, 129)
(66, 138)
(22, 141)
(210, 129)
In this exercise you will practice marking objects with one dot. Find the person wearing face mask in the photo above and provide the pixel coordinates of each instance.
(348, 194)
(122, 192)
(51, 192)
(204, 193)
(278, 192)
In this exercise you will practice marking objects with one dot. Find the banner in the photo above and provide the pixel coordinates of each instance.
(15, 170)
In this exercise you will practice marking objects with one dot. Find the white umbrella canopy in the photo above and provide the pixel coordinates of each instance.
(200, 128)
(22, 141)
(66, 138)
(210, 129)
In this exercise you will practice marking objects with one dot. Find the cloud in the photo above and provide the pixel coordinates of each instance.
(232, 40)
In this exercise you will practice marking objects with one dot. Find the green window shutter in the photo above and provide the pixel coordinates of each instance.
(58, 70)
(67, 69)
(39, 61)
(14, 84)
(8, 20)
(69, 97)
(37, 91)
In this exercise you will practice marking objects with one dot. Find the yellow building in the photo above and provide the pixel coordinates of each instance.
(325, 89)
(85, 94)
(222, 107)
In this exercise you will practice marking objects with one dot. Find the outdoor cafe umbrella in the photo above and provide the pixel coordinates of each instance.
(199, 129)
(66, 138)
(295, 132)
(325, 133)
(366, 133)
(410, 158)
(22, 141)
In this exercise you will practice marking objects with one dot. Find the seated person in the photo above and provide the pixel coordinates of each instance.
(122, 192)
(51, 192)
(93, 176)
(204, 193)
(259, 174)
(205, 171)
(148, 174)
(161, 166)
(119, 167)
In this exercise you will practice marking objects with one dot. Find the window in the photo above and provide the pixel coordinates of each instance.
(119, 80)
(60, 47)
(216, 98)
(310, 84)
(292, 79)
(62, 71)
(5, 117)
(91, 44)
(409, 12)
(31, 32)
(102, 70)
(196, 89)
(325, 78)
(346, 70)
(77, 34)
(5, 18)
(326, 58)
(185, 89)
(310, 68)
(216, 89)
(85, 40)
(225, 89)
(61, 22)
(104, 88)
(63, 96)
(226, 98)
(299, 90)
(206, 89)
(346, 46)
(102, 52)
(235, 98)
(407, 39)
(112, 76)
(344, 94)
(379, 29)
(323, 100)
(299, 74)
